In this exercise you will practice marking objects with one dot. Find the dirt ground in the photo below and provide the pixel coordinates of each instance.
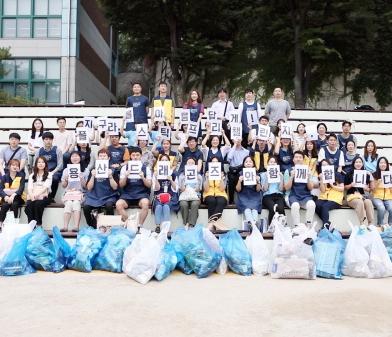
(104, 304)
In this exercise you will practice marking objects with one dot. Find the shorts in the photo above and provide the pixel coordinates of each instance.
(72, 206)
(302, 203)
(132, 202)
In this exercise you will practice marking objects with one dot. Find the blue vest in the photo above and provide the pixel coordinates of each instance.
(244, 116)
(333, 159)
(300, 191)
(285, 159)
(116, 154)
(321, 143)
(139, 104)
(101, 194)
(50, 156)
(135, 188)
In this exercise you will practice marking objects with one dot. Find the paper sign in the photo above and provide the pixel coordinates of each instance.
(193, 129)
(216, 127)
(163, 170)
(129, 117)
(112, 127)
(134, 167)
(88, 122)
(214, 171)
(359, 178)
(301, 173)
(73, 172)
(234, 117)
(190, 174)
(101, 169)
(311, 132)
(165, 132)
(82, 136)
(252, 117)
(102, 124)
(263, 132)
(273, 174)
(285, 131)
(328, 172)
(185, 116)
(142, 131)
(249, 174)
(386, 178)
(236, 131)
(159, 114)
(211, 115)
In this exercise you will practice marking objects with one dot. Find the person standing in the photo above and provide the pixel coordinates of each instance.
(346, 135)
(163, 100)
(223, 107)
(246, 108)
(277, 108)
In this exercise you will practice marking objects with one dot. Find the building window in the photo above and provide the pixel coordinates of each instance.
(31, 18)
(34, 79)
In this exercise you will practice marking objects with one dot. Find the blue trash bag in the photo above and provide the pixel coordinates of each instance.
(88, 244)
(40, 251)
(328, 251)
(110, 258)
(197, 253)
(387, 239)
(235, 252)
(15, 262)
(62, 250)
(181, 262)
(167, 263)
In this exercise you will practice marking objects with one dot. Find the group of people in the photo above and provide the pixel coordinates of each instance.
(255, 169)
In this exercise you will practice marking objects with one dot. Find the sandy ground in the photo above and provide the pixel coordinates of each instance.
(105, 304)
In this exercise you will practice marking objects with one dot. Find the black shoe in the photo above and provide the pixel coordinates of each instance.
(157, 229)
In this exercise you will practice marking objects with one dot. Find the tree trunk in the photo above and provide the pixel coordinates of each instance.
(298, 77)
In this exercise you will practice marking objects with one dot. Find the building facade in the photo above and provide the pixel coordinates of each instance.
(62, 51)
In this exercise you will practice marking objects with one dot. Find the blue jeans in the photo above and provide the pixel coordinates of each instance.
(251, 214)
(382, 207)
(162, 213)
(323, 207)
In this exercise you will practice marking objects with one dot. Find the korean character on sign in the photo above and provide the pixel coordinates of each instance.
(88, 123)
(234, 117)
(214, 171)
(211, 115)
(285, 131)
(301, 173)
(159, 114)
(252, 117)
(328, 172)
(249, 174)
(82, 136)
(102, 124)
(73, 172)
(134, 168)
(236, 131)
(193, 129)
(359, 178)
(216, 127)
(386, 179)
(165, 132)
(264, 132)
(190, 174)
(101, 169)
(142, 131)
(273, 174)
(112, 127)
(163, 170)
(129, 117)
(185, 116)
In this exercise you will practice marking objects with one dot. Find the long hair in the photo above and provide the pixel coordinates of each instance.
(210, 140)
(366, 153)
(35, 169)
(313, 153)
(377, 174)
(189, 103)
(86, 161)
(243, 162)
(34, 130)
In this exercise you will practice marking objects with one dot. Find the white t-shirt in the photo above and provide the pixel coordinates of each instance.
(63, 140)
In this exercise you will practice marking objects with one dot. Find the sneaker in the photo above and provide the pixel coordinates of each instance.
(157, 229)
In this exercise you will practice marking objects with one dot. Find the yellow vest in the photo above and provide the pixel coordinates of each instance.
(312, 163)
(15, 186)
(258, 159)
(214, 190)
(167, 107)
(331, 194)
(382, 193)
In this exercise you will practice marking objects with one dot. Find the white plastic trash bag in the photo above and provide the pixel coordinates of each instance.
(380, 264)
(258, 251)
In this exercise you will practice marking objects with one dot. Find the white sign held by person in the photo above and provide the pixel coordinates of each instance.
(212, 115)
(165, 132)
(285, 131)
(159, 114)
(386, 179)
(359, 178)
(214, 171)
(73, 172)
(236, 131)
(102, 124)
(273, 174)
(311, 132)
(263, 132)
(328, 172)
(301, 173)
(252, 117)
(249, 174)
(101, 169)
(193, 129)
(129, 117)
(190, 174)
(163, 170)
(216, 127)
(112, 127)
(234, 117)
(88, 123)
(142, 131)
(82, 136)
(134, 167)
(185, 116)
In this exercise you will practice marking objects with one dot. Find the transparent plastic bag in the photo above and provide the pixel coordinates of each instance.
(15, 262)
(40, 251)
(235, 252)
(380, 264)
(167, 263)
(258, 251)
(387, 239)
(62, 250)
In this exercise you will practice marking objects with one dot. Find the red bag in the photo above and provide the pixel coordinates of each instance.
(164, 198)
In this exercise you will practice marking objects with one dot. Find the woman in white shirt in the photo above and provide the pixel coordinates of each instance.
(38, 189)
(35, 141)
